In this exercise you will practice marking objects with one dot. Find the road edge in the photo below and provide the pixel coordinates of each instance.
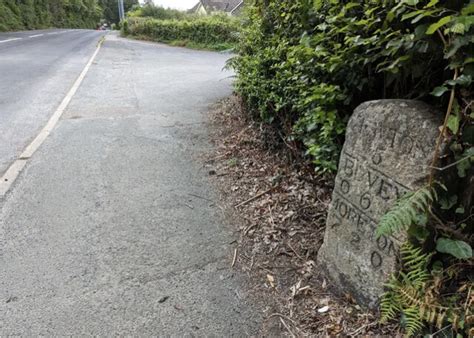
(14, 170)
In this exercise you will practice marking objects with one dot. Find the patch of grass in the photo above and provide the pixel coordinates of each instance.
(232, 162)
(187, 44)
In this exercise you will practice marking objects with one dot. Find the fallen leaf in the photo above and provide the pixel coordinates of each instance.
(271, 280)
(324, 309)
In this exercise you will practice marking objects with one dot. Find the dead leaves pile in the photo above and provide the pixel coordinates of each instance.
(282, 209)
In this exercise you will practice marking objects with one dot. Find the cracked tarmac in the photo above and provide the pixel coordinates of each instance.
(111, 228)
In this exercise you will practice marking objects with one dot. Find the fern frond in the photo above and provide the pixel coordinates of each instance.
(409, 294)
(406, 211)
(389, 307)
(415, 264)
(413, 322)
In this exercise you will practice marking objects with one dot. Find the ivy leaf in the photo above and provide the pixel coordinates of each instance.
(418, 232)
(453, 123)
(464, 165)
(463, 80)
(449, 202)
(458, 249)
(438, 91)
(434, 27)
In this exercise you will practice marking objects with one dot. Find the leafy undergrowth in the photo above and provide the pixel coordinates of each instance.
(281, 212)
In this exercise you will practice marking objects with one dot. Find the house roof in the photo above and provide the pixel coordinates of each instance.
(219, 5)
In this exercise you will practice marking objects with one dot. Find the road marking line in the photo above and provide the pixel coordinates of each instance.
(14, 39)
(35, 36)
(7, 180)
(61, 32)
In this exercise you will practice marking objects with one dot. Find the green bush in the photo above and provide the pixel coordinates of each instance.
(304, 65)
(36, 14)
(157, 12)
(215, 32)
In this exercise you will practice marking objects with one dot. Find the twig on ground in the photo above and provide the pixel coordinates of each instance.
(444, 328)
(363, 327)
(256, 197)
(250, 227)
(276, 314)
(287, 328)
(203, 198)
(216, 158)
(297, 255)
(235, 257)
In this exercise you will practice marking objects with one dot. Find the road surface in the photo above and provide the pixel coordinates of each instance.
(112, 227)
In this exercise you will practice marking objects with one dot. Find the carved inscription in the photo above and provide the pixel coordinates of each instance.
(361, 207)
(383, 158)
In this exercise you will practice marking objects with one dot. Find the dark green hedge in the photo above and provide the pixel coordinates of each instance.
(35, 14)
(304, 65)
(211, 31)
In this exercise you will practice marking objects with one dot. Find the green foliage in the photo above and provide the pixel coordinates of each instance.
(110, 9)
(456, 248)
(407, 211)
(35, 14)
(305, 65)
(217, 32)
(158, 12)
(415, 295)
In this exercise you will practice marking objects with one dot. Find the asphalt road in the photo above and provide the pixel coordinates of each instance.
(113, 227)
(37, 68)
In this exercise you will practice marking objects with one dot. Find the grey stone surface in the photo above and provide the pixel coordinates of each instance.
(388, 149)
(113, 228)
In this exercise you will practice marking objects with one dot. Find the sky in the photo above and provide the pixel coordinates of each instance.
(178, 4)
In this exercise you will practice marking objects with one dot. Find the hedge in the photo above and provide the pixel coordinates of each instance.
(35, 14)
(219, 31)
(304, 65)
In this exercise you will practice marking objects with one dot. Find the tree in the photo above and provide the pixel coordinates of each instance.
(110, 9)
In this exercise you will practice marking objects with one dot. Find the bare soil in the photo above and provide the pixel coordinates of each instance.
(279, 205)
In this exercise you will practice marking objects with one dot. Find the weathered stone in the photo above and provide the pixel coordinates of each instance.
(389, 147)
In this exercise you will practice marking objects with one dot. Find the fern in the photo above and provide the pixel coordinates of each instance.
(413, 321)
(406, 211)
(409, 294)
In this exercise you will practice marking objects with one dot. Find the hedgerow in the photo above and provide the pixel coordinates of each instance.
(304, 65)
(214, 32)
(157, 12)
(34, 14)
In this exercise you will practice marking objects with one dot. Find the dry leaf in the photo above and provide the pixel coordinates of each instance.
(324, 309)
(271, 280)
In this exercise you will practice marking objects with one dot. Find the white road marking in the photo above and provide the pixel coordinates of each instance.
(7, 180)
(35, 36)
(14, 39)
(54, 33)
